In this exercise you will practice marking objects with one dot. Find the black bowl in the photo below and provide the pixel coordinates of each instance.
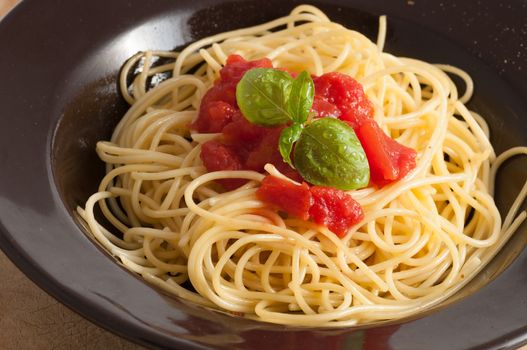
(59, 62)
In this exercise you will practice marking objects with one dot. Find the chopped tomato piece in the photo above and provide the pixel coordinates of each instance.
(354, 117)
(266, 151)
(217, 156)
(242, 132)
(324, 108)
(389, 160)
(216, 109)
(220, 91)
(214, 116)
(330, 207)
(335, 209)
(347, 94)
(218, 104)
(286, 196)
(237, 66)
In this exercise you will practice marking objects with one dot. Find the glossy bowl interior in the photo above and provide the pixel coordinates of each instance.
(63, 98)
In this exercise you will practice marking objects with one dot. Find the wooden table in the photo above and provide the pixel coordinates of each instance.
(31, 319)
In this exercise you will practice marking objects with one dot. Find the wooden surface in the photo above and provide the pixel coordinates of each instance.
(6, 5)
(31, 319)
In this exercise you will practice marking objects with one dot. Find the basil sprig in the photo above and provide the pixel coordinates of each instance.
(327, 153)
(263, 96)
(301, 97)
(288, 137)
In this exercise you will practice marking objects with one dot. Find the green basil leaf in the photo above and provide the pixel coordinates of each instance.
(329, 153)
(287, 138)
(262, 95)
(301, 97)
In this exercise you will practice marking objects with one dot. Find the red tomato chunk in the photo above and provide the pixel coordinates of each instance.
(236, 67)
(219, 103)
(286, 196)
(335, 209)
(329, 207)
(346, 94)
(389, 160)
(219, 157)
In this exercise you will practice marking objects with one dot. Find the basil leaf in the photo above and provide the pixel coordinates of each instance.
(329, 153)
(287, 138)
(301, 97)
(262, 95)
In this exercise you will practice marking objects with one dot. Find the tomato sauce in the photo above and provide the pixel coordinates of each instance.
(246, 146)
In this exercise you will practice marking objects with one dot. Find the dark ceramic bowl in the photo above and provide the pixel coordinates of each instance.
(59, 62)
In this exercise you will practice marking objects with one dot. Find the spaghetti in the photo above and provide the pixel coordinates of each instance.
(422, 237)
